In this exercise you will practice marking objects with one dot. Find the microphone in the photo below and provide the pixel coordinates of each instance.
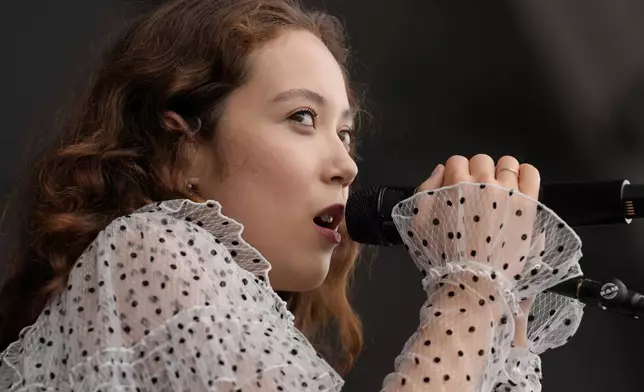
(368, 213)
(368, 219)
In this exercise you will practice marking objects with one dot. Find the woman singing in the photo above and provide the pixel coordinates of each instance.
(206, 169)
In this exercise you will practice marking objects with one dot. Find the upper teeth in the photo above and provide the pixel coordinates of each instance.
(326, 218)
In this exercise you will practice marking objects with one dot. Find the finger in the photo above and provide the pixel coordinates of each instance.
(482, 168)
(521, 324)
(457, 169)
(507, 178)
(529, 180)
(435, 180)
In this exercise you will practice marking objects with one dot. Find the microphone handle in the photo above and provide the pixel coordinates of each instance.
(593, 203)
(612, 295)
(579, 204)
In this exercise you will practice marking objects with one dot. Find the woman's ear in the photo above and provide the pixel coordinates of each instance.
(173, 121)
(188, 150)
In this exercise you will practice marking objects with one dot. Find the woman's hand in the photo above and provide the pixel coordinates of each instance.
(482, 169)
(485, 240)
(472, 243)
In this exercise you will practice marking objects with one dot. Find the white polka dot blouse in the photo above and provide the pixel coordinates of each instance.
(171, 298)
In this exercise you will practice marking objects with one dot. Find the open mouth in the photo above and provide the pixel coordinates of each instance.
(324, 220)
(331, 217)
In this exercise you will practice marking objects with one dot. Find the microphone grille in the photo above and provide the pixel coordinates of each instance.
(392, 196)
(369, 212)
(362, 221)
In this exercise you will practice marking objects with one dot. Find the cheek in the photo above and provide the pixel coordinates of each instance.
(272, 166)
(260, 175)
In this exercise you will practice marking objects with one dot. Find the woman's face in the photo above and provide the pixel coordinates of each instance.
(284, 137)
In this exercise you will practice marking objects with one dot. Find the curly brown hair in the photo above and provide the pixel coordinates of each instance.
(115, 154)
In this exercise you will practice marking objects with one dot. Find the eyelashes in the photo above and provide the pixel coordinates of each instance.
(302, 113)
(307, 117)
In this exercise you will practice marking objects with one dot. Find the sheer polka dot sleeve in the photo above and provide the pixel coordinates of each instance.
(485, 252)
(158, 303)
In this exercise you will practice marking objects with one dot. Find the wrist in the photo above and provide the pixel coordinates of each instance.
(484, 287)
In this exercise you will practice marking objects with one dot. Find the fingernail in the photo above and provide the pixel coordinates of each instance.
(437, 170)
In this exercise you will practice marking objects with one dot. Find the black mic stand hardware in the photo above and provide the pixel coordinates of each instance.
(612, 295)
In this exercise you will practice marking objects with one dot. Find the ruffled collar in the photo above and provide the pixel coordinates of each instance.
(226, 231)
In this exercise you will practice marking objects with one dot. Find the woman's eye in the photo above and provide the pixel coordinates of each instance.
(305, 117)
(346, 135)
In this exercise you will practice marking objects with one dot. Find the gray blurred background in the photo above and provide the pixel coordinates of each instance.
(557, 83)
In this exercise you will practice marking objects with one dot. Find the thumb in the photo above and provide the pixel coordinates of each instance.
(427, 204)
(435, 180)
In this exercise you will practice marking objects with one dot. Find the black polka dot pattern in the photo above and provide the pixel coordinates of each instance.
(455, 329)
(504, 248)
(169, 298)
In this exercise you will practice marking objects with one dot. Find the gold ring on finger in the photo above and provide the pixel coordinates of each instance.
(507, 169)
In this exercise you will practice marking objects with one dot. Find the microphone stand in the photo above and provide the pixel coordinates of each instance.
(612, 295)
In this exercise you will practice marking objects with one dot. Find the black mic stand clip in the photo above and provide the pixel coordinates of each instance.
(612, 295)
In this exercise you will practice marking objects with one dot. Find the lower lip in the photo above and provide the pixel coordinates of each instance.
(333, 236)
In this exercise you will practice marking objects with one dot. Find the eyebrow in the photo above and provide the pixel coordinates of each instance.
(310, 95)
